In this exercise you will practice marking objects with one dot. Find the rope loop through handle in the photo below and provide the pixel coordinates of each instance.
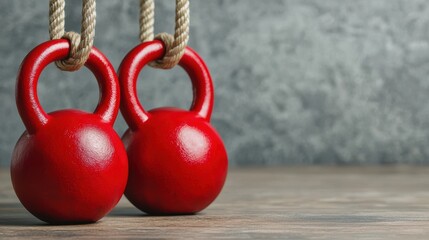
(174, 45)
(80, 44)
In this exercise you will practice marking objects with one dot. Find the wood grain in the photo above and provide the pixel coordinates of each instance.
(273, 203)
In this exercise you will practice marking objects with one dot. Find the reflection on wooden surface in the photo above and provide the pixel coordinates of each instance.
(286, 203)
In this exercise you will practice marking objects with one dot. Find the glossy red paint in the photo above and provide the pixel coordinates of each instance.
(177, 161)
(69, 166)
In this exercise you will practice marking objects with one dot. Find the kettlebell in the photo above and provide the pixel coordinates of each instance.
(69, 166)
(177, 161)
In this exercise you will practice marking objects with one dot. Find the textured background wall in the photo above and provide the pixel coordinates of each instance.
(299, 81)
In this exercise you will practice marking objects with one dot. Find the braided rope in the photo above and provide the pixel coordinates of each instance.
(174, 45)
(80, 44)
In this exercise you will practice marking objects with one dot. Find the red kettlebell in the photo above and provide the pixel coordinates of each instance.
(69, 166)
(177, 161)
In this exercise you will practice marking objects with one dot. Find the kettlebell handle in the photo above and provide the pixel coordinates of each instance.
(29, 108)
(140, 56)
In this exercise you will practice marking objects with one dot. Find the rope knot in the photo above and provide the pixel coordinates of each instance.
(80, 44)
(166, 62)
(72, 62)
(174, 45)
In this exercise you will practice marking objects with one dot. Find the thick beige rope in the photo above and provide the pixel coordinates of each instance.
(80, 44)
(175, 45)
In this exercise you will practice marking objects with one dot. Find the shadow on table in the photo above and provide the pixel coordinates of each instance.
(126, 212)
(14, 214)
(134, 212)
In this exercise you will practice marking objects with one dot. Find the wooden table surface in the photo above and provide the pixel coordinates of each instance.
(272, 203)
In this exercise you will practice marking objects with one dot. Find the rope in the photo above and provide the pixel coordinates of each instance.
(80, 44)
(174, 45)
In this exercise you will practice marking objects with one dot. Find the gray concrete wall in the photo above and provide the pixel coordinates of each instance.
(297, 81)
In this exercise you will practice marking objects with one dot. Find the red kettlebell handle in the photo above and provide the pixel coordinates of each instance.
(147, 52)
(32, 114)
